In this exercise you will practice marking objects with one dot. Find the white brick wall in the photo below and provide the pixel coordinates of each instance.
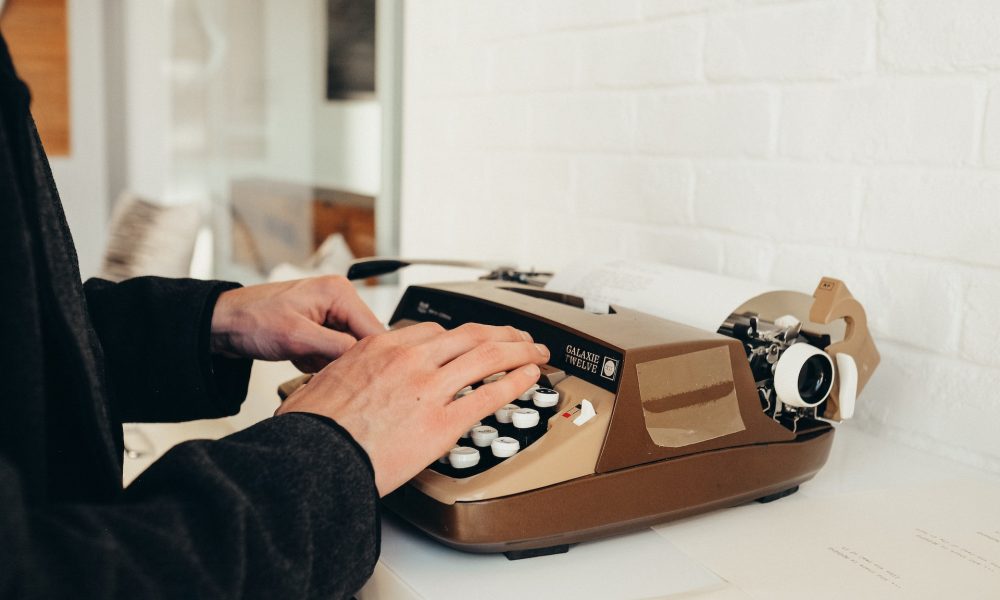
(777, 141)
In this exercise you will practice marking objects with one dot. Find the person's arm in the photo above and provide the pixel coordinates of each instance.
(285, 509)
(156, 338)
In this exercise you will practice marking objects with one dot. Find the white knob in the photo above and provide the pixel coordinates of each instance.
(525, 418)
(803, 376)
(545, 398)
(494, 377)
(465, 435)
(463, 457)
(504, 447)
(505, 414)
(528, 393)
(483, 435)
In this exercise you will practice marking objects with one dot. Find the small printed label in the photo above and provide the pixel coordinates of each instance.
(609, 368)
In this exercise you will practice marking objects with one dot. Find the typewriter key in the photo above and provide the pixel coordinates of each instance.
(503, 448)
(524, 400)
(503, 418)
(463, 458)
(481, 438)
(494, 377)
(443, 464)
(525, 420)
(545, 400)
(483, 435)
(466, 440)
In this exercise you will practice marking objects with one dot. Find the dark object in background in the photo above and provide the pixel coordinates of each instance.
(350, 49)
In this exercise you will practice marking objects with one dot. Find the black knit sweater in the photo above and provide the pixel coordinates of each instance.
(284, 509)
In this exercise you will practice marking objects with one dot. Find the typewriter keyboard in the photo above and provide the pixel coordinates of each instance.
(501, 435)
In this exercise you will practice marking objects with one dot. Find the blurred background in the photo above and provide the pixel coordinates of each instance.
(777, 141)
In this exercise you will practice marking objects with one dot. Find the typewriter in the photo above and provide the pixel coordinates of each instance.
(636, 420)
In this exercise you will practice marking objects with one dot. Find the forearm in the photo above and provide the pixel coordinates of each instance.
(156, 334)
(285, 509)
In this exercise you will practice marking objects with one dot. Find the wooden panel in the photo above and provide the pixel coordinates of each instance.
(36, 34)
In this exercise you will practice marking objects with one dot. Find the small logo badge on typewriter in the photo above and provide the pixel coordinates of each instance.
(609, 369)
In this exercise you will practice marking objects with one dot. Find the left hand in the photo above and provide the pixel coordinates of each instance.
(308, 321)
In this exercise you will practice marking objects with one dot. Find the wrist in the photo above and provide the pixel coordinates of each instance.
(221, 330)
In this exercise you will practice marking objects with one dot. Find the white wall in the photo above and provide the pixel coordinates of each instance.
(81, 177)
(772, 141)
(348, 145)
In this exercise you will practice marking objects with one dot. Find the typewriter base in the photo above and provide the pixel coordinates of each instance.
(606, 504)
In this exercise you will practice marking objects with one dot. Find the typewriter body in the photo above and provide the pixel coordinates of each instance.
(655, 420)
(677, 422)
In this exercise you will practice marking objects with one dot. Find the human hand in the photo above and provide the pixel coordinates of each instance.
(308, 321)
(394, 392)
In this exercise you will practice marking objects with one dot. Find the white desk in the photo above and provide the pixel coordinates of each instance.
(676, 560)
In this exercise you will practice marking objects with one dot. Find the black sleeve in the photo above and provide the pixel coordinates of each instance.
(155, 336)
(284, 509)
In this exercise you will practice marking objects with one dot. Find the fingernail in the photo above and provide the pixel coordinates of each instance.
(532, 371)
(526, 336)
(542, 349)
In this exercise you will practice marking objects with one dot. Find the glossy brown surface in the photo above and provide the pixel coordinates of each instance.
(609, 503)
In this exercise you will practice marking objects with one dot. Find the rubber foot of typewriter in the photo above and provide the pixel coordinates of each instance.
(519, 554)
(778, 496)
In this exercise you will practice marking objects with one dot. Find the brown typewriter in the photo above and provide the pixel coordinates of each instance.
(636, 420)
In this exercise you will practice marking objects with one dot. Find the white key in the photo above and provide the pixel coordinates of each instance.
(463, 392)
(505, 413)
(483, 435)
(463, 457)
(526, 396)
(504, 447)
(444, 459)
(494, 377)
(545, 398)
(525, 418)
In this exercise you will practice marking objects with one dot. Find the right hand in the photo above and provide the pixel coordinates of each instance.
(394, 392)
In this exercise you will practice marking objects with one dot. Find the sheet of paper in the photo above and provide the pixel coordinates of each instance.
(696, 298)
(913, 542)
(639, 565)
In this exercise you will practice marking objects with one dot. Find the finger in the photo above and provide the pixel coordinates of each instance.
(458, 341)
(349, 312)
(312, 364)
(491, 357)
(489, 398)
(309, 341)
(416, 334)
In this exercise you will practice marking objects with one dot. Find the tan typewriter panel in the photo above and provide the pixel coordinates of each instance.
(567, 451)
